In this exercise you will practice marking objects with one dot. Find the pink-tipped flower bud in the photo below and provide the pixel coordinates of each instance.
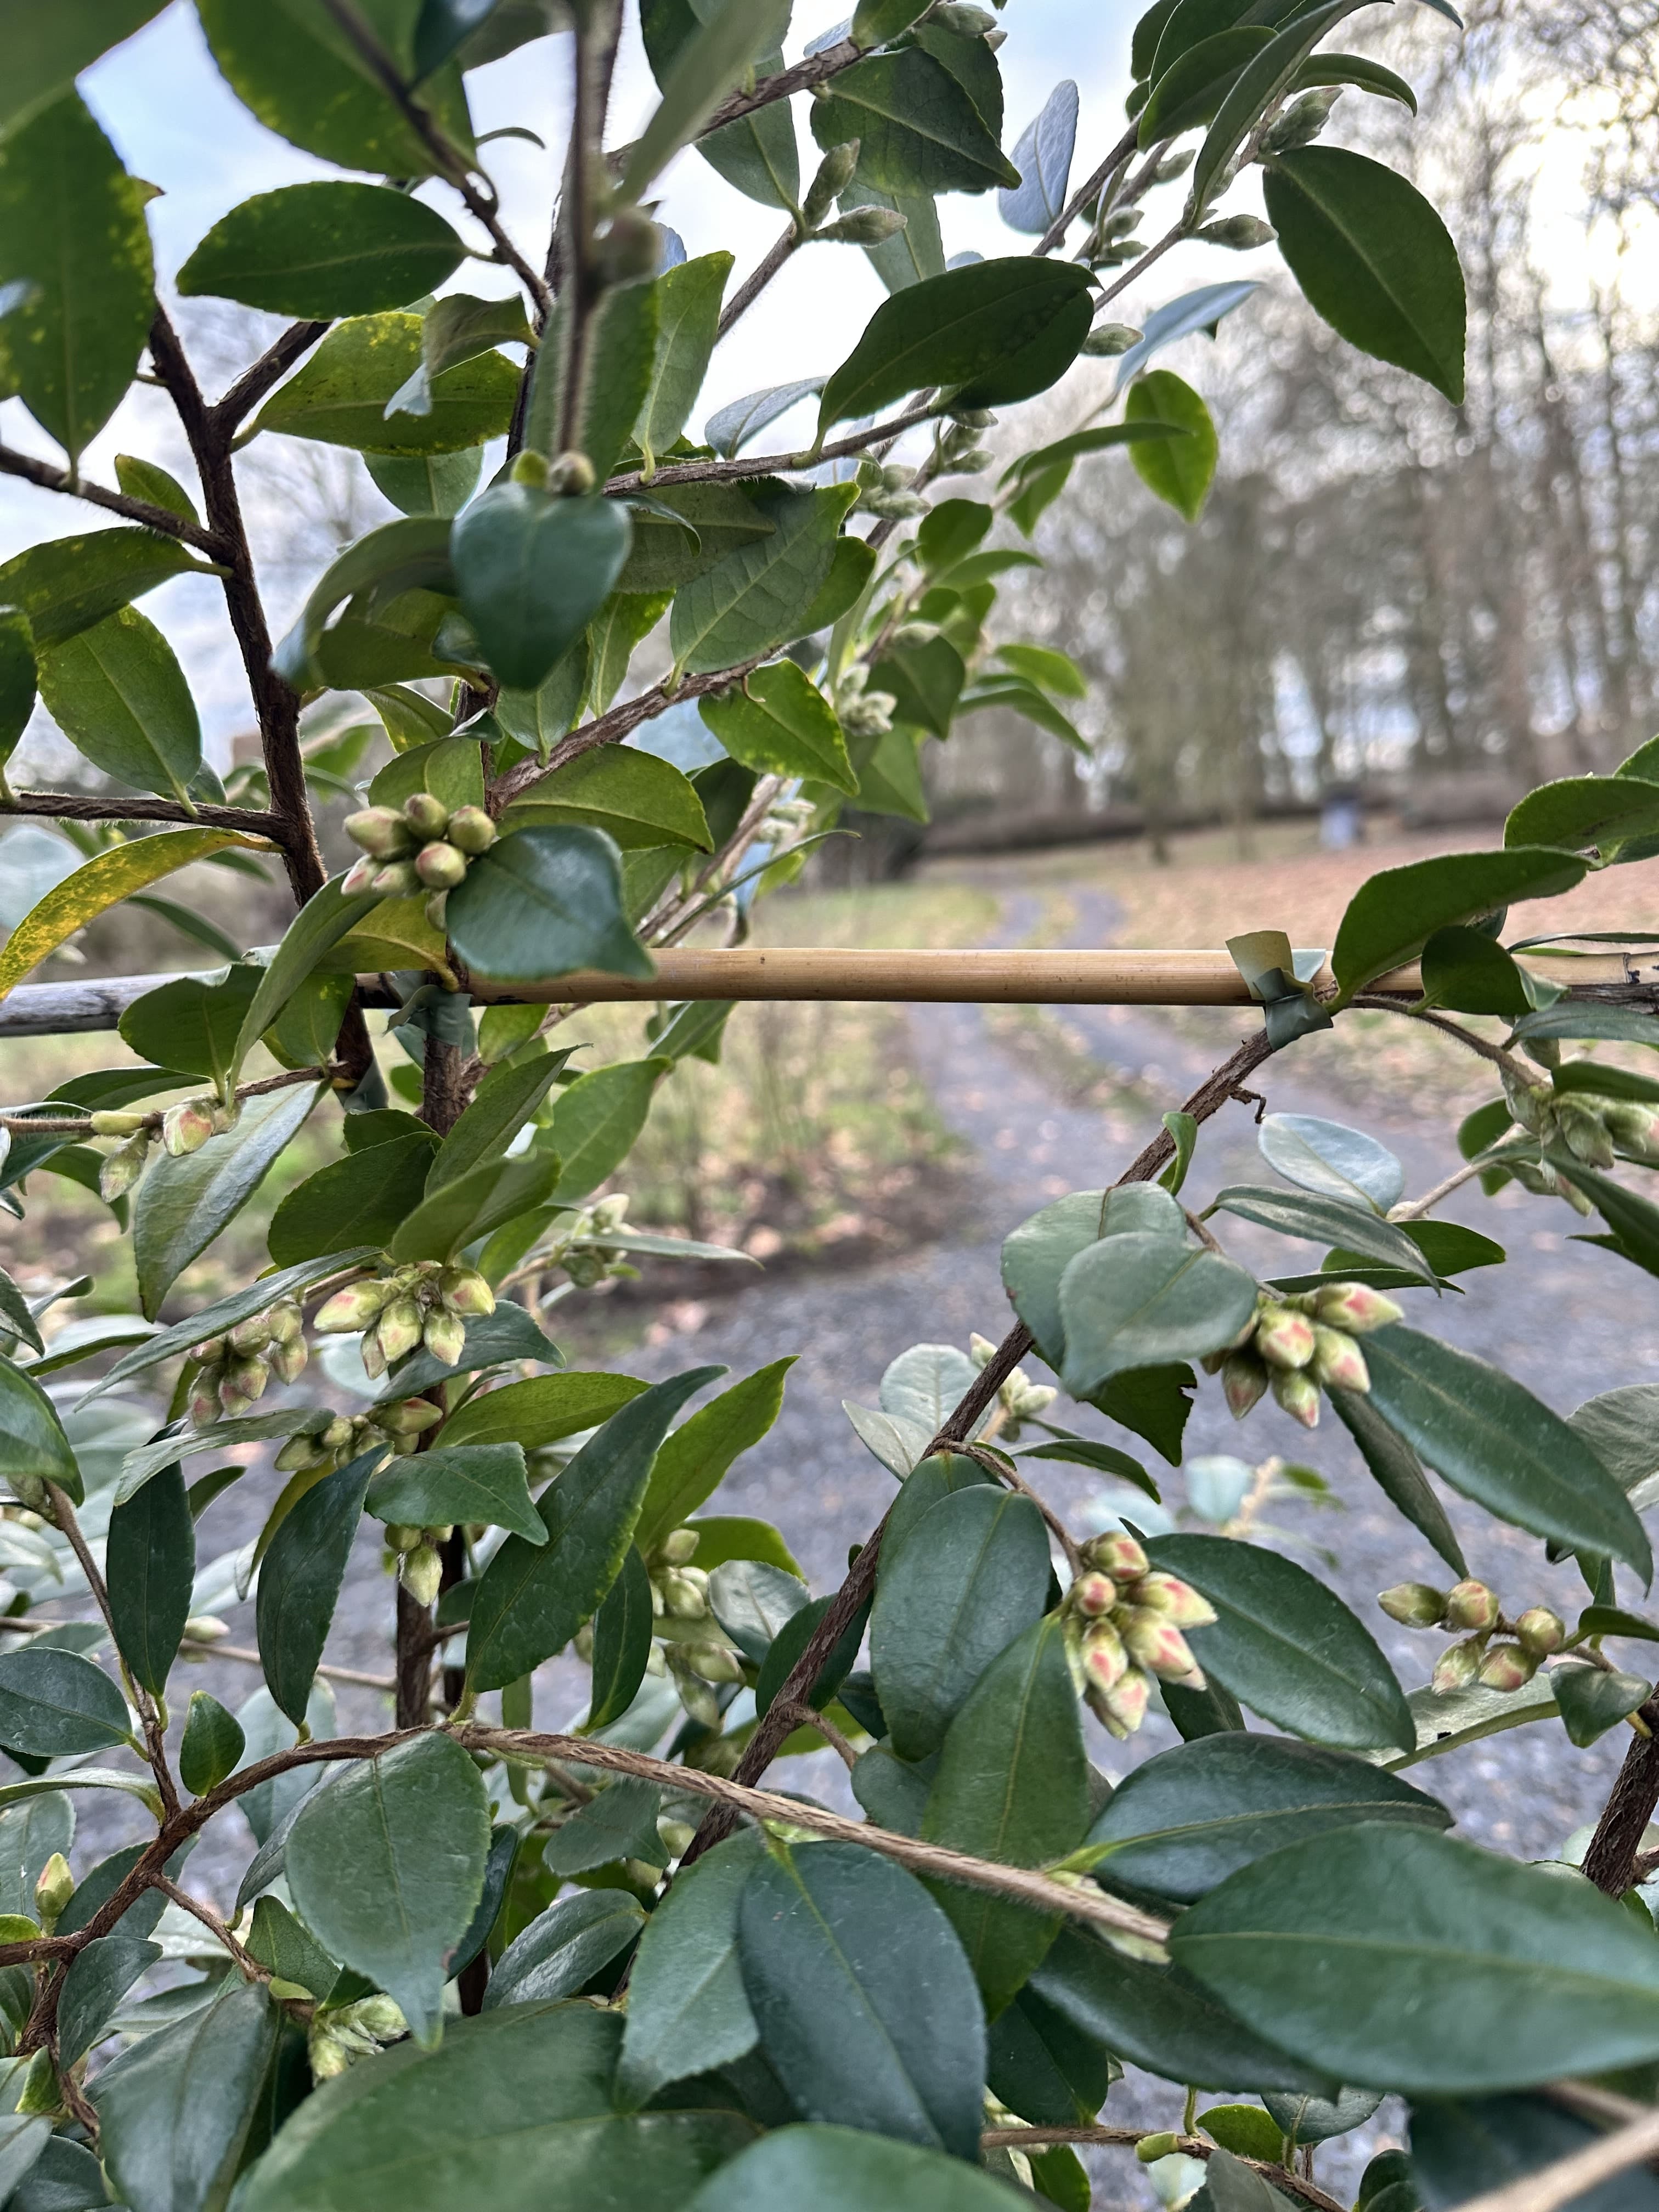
(426, 814)
(1177, 1601)
(246, 1378)
(1414, 1605)
(472, 829)
(1507, 1666)
(1457, 1667)
(1541, 1630)
(1102, 1656)
(350, 1309)
(359, 875)
(204, 1406)
(1094, 1594)
(465, 1291)
(286, 1322)
(1121, 1709)
(1471, 1605)
(1156, 1643)
(398, 1329)
(714, 1662)
(186, 1127)
(382, 831)
(444, 1335)
(1585, 1132)
(1117, 1554)
(302, 1450)
(440, 867)
(408, 1417)
(1284, 1339)
(287, 1361)
(1355, 1307)
(1243, 1383)
(124, 1166)
(396, 879)
(253, 1334)
(1338, 1362)
(1298, 1394)
(422, 1573)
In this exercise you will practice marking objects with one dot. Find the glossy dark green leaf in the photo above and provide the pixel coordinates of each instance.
(1394, 914)
(150, 1569)
(288, 1947)
(486, 1197)
(64, 38)
(1286, 1645)
(1491, 1439)
(1326, 1221)
(68, 584)
(617, 1822)
(1463, 2147)
(695, 1459)
(53, 1703)
(621, 1642)
(528, 2126)
(319, 250)
(688, 312)
(1178, 470)
(17, 680)
(1160, 2018)
(340, 395)
(1036, 1254)
(754, 1600)
(408, 555)
(792, 1640)
(1400, 1475)
(420, 485)
(73, 227)
(1402, 1960)
(1592, 1699)
(779, 723)
(638, 800)
(1105, 1459)
(32, 1440)
(360, 1199)
(531, 570)
(98, 1978)
(1011, 1786)
(686, 2011)
(459, 1482)
(175, 2111)
(758, 596)
(847, 2170)
(1633, 1219)
(1584, 811)
(192, 1024)
(1042, 2068)
(918, 128)
(1186, 1820)
(212, 1745)
(1002, 329)
(1190, 91)
(182, 1204)
(1198, 1713)
(542, 1410)
(892, 1791)
(119, 695)
(386, 1865)
(1259, 84)
(531, 1599)
(1373, 257)
(866, 2005)
(621, 344)
(299, 1581)
(972, 1576)
(1144, 1299)
(596, 1120)
(543, 903)
(564, 1948)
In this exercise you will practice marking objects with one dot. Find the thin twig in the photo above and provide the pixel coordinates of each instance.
(215, 1927)
(86, 806)
(816, 69)
(31, 1125)
(772, 464)
(609, 729)
(1282, 2177)
(355, 1676)
(805, 1716)
(1430, 1199)
(1120, 158)
(1000, 1465)
(786, 243)
(227, 414)
(1379, 1003)
(13, 463)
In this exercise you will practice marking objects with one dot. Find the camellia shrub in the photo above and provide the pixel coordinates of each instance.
(469, 1963)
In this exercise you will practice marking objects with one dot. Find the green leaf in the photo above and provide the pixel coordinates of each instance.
(1177, 470)
(146, 480)
(1399, 1474)
(1491, 1439)
(1187, 1819)
(33, 1445)
(1356, 69)
(364, 1197)
(543, 1410)
(1161, 2018)
(461, 1482)
(528, 2126)
(297, 71)
(1395, 913)
(531, 570)
(1043, 2068)
(1373, 257)
(1011, 1787)
(619, 1822)
(596, 1120)
(564, 1948)
(917, 127)
(1328, 1221)
(398, 556)
(1153, 1401)
(182, 1204)
(53, 1705)
(338, 396)
(1462, 2147)
(790, 1643)
(708, 66)
(325, 250)
(150, 1569)
(299, 1581)
(1104, 1459)
(503, 1103)
(492, 1340)
(1591, 1701)
(279, 1941)
(29, 1834)
(723, 1536)
(1335, 1161)
(615, 374)
(119, 695)
(621, 1643)
(98, 1978)
(695, 1459)
(1480, 1974)
(688, 310)
(866, 2009)
(176, 2111)
(192, 1024)
(72, 223)
(387, 1867)
(1582, 812)
(496, 1191)
(947, 1603)
(545, 902)
(1036, 1254)
(1189, 92)
(846, 2170)
(1002, 329)
(17, 680)
(779, 723)
(531, 1599)
(63, 39)
(212, 1745)
(1137, 1300)
(687, 2011)
(757, 598)
(1633, 1219)
(1286, 1646)
(320, 924)
(639, 801)
(1254, 91)
(68, 584)
(427, 483)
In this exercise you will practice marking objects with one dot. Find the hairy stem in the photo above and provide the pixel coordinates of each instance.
(1610, 1862)
(90, 806)
(13, 464)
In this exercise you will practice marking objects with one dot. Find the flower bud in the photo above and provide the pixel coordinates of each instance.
(374, 1359)
(679, 1546)
(1541, 1630)
(630, 246)
(426, 814)
(1177, 1601)
(1103, 1660)
(835, 173)
(1457, 1667)
(1414, 1605)
(41, 2094)
(1284, 1339)
(1298, 1395)
(340, 1433)
(444, 1335)
(1532, 1104)
(408, 1417)
(1152, 2147)
(398, 1329)
(1156, 1643)
(968, 22)
(403, 1537)
(1117, 1554)
(472, 829)
(52, 1891)
(287, 1361)
(685, 1597)
(244, 1380)
(122, 1167)
(359, 875)
(378, 2016)
(396, 879)
(1584, 1131)
(981, 1350)
(435, 907)
(1243, 1383)
(1627, 1122)
(349, 1310)
(1355, 1307)
(714, 1662)
(864, 226)
(1507, 1666)
(253, 1334)
(300, 1451)
(1338, 1362)
(440, 867)
(112, 1124)
(423, 1572)
(1239, 233)
(1107, 340)
(1471, 1605)
(1302, 122)
(1121, 1709)
(464, 1290)
(329, 2056)
(204, 1406)
(382, 831)
(676, 1837)
(185, 1127)
(1173, 165)
(1093, 1594)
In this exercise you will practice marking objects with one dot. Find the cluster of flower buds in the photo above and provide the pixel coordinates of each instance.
(1299, 1343)
(578, 1244)
(235, 1368)
(856, 226)
(1301, 122)
(886, 491)
(420, 847)
(960, 451)
(1507, 1663)
(1019, 1398)
(862, 712)
(424, 1302)
(1123, 1622)
(1592, 1128)
(1107, 340)
(122, 1168)
(397, 1426)
(420, 1567)
(679, 1592)
(342, 2035)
